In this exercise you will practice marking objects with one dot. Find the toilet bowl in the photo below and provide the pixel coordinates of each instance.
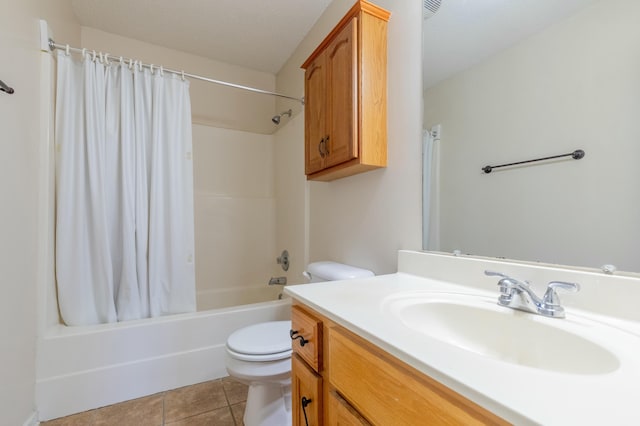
(260, 356)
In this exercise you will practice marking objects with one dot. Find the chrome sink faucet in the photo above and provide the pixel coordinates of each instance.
(518, 294)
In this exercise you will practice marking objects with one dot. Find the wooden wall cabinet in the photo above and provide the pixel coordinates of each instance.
(358, 383)
(346, 97)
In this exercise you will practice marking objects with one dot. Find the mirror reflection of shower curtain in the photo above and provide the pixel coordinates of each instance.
(124, 193)
(430, 191)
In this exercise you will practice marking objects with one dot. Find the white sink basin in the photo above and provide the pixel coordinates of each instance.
(477, 324)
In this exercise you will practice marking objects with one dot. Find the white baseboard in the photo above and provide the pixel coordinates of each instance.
(32, 420)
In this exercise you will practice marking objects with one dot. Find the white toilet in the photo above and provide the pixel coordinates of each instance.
(260, 356)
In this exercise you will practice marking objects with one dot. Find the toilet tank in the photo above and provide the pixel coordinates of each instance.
(333, 271)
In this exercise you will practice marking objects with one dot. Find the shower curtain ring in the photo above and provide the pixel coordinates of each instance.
(182, 75)
(106, 59)
(93, 57)
(161, 71)
(151, 68)
(66, 50)
(84, 53)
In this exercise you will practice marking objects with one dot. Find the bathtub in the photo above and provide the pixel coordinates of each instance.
(81, 368)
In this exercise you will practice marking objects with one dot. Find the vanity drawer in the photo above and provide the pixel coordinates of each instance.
(306, 332)
(387, 391)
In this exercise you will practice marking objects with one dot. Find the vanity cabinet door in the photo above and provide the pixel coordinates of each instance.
(389, 392)
(306, 394)
(343, 414)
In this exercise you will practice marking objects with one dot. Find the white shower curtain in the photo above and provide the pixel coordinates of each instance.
(124, 188)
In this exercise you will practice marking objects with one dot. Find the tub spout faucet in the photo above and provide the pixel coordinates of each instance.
(518, 294)
(278, 281)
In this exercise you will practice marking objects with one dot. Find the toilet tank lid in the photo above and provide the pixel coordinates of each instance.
(333, 271)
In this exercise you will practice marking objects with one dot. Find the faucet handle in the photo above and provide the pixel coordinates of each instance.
(495, 274)
(551, 301)
(551, 296)
(506, 281)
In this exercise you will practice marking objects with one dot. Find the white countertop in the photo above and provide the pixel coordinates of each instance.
(519, 394)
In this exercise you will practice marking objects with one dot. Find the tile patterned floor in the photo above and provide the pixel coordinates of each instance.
(218, 403)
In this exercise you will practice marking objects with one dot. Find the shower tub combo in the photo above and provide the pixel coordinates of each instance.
(86, 367)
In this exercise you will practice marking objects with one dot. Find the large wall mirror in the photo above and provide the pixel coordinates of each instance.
(511, 81)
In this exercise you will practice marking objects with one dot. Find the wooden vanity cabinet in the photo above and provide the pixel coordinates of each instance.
(360, 384)
(346, 97)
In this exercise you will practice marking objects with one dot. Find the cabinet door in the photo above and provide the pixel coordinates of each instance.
(342, 84)
(343, 414)
(315, 82)
(306, 394)
(388, 392)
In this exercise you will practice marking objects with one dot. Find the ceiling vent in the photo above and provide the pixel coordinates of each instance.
(430, 7)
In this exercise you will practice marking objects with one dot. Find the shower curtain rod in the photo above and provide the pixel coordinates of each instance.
(53, 46)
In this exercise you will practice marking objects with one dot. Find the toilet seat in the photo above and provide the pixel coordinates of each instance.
(268, 341)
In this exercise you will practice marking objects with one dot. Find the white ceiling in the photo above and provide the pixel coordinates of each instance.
(464, 32)
(262, 35)
(256, 34)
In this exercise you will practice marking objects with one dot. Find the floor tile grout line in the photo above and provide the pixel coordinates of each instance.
(226, 397)
(164, 398)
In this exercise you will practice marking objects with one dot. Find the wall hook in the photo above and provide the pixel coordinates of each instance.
(6, 88)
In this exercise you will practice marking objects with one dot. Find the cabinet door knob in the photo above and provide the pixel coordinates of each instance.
(294, 335)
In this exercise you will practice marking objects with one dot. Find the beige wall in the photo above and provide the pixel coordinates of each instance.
(574, 85)
(365, 219)
(20, 153)
(211, 104)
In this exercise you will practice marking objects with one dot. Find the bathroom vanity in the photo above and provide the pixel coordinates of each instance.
(346, 380)
(430, 345)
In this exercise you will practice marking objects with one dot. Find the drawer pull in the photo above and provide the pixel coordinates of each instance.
(305, 401)
(294, 335)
